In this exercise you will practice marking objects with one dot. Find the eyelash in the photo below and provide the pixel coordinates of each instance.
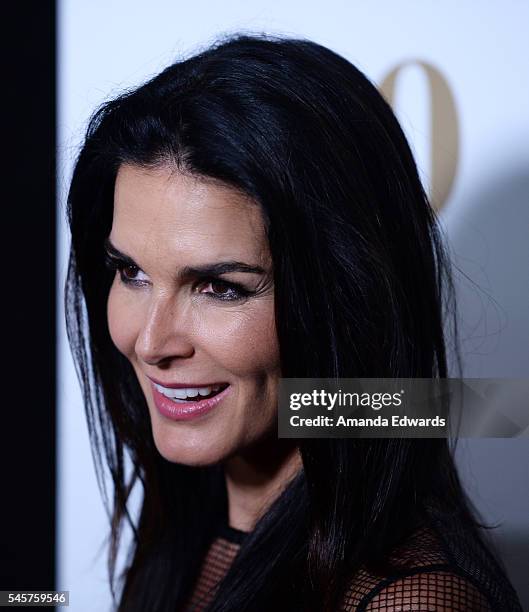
(238, 292)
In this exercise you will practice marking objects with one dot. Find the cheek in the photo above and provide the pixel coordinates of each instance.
(121, 317)
(244, 342)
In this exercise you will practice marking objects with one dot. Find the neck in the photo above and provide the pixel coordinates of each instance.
(256, 478)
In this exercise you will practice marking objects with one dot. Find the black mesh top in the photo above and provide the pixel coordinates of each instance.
(441, 570)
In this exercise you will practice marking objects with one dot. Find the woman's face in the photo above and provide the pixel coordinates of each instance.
(195, 309)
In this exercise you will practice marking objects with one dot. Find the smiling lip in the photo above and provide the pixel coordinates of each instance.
(185, 411)
(185, 385)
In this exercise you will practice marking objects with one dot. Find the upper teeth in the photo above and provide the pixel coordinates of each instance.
(186, 392)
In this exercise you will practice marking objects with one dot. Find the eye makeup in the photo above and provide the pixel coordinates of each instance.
(229, 291)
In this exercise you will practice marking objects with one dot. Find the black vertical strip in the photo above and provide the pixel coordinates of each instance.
(27, 281)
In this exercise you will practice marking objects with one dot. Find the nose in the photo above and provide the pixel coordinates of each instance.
(164, 334)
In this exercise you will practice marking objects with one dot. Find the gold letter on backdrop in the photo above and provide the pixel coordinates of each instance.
(444, 129)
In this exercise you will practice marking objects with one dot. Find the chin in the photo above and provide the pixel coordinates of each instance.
(179, 447)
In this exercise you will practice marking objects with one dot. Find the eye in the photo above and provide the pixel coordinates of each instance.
(223, 290)
(128, 274)
(127, 271)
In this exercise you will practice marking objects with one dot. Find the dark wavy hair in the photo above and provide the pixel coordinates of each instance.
(362, 289)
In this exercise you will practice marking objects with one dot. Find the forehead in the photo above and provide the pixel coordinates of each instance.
(176, 214)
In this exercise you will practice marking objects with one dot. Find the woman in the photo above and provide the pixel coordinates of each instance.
(251, 213)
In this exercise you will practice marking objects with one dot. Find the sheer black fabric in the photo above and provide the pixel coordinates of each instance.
(219, 557)
(440, 569)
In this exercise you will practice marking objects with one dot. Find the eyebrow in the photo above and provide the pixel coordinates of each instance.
(212, 269)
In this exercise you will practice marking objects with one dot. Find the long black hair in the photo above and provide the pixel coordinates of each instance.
(362, 289)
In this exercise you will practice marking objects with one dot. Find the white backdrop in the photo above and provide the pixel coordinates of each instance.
(479, 50)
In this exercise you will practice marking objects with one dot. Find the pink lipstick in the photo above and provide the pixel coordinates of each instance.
(186, 410)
